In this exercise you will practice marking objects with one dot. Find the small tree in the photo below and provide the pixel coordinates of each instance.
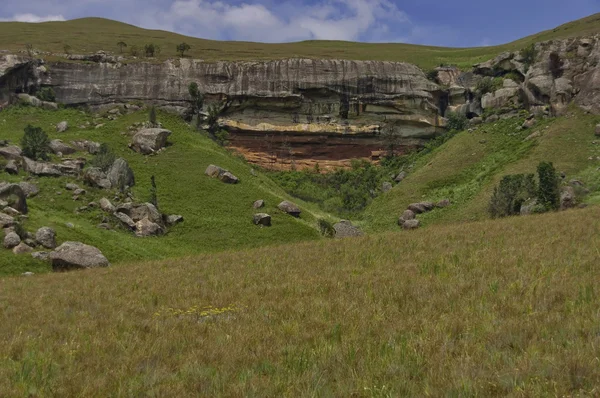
(150, 49)
(182, 48)
(549, 191)
(35, 143)
(134, 50)
(197, 101)
(121, 46)
(67, 49)
(46, 94)
(153, 192)
(510, 194)
(326, 228)
(529, 55)
(390, 140)
(152, 115)
(213, 119)
(104, 159)
(456, 121)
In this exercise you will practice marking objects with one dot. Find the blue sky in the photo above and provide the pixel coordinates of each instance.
(458, 23)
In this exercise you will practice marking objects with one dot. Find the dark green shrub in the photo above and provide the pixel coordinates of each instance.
(46, 94)
(35, 143)
(432, 75)
(182, 48)
(213, 119)
(510, 194)
(456, 121)
(152, 116)
(121, 46)
(326, 228)
(528, 54)
(104, 159)
(489, 85)
(549, 190)
(222, 137)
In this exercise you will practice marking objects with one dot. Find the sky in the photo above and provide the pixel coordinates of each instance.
(455, 23)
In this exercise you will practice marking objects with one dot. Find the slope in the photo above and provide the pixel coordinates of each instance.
(93, 34)
(217, 216)
(467, 167)
(494, 308)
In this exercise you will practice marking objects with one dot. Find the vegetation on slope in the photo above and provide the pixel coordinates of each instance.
(217, 216)
(494, 308)
(93, 34)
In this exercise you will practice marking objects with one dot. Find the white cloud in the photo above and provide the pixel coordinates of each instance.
(33, 18)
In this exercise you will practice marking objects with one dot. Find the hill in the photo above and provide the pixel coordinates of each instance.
(93, 34)
(493, 308)
(217, 216)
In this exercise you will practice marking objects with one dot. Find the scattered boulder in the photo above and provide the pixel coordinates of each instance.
(145, 210)
(386, 187)
(62, 127)
(262, 219)
(400, 177)
(95, 177)
(120, 175)
(30, 190)
(345, 229)
(41, 169)
(89, 146)
(59, 147)
(406, 216)
(43, 256)
(79, 192)
(11, 152)
(259, 204)
(22, 248)
(11, 212)
(174, 220)
(289, 208)
(71, 187)
(228, 178)
(417, 208)
(126, 220)
(148, 141)
(411, 224)
(76, 255)
(46, 237)
(12, 167)
(6, 221)
(15, 191)
(11, 240)
(443, 203)
(107, 206)
(146, 227)
(105, 226)
(222, 174)
(567, 198)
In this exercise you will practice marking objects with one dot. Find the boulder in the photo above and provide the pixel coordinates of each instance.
(443, 203)
(79, 192)
(421, 207)
(120, 175)
(145, 210)
(345, 229)
(59, 147)
(400, 177)
(222, 174)
(406, 216)
(411, 224)
(174, 219)
(76, 255)
(11, 240)
(89, 146)
(42, 256)
(11, 211)
(30, 190)
(14, 191)
(71, 187)
(259, 204)
(148, 141)
(228, 178)
(22, 248)
(6, 221)
(62, 127)
(95, 177)
(146, 227)
(528, 124)
(386, 187)
(289, 208)
(597, 131)
(125, 220)
(262, 219)
(46, 237)
(41, 169)
(12, 167)
(107, 206)
(567, 198)
(11, 152)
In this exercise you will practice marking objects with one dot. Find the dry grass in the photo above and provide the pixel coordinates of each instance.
(495, 308)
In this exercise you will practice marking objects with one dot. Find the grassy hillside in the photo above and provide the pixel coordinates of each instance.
(467, 167)
(93, 34)
(494, 308)
(217, 216)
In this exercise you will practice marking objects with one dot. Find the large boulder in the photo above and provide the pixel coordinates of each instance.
(59, 147)
(95, 177)
(408, 215)
(262, 219)
(222, 174)
(148, 141)
(6, 221)
(46, 237)
(146, 227)
(22, 248)
(29, 189)
(76, 255)
(411, 224)
(41, 169)
(12, 167)
(421, 207)
(11, 240)
(345, 229)
(125, 220)
(143, 211)
(120, 175)
(107, 206)
(11, 152)
(289, 208)
(62, 127)
(15, 192)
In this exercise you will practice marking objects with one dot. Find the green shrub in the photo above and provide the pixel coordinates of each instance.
(510, 194)
(456, 121)
(222, 137)
(549, 190)
(104, 159)
(46, 94)
(432, 75)
(35, 143)
(489, 85)
(326, 228)
(528, 54)
(182, 48)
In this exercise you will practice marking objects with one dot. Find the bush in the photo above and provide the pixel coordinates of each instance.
(326, 228)
(222, 137)
(46, 94)
(182, 48)
(549, 190)
(432, 75)
(528, 54)
(104, 159)
(456, 121)
(134, 50)
(489, 85)
(510, 195)
(35, 143)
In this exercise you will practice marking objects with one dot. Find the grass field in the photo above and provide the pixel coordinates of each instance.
(93, 34)
(493, 308)
(217, 216)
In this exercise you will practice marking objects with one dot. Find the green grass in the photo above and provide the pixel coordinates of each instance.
(491, 309)
(466, 168)
(93, 34)
(217, 216)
